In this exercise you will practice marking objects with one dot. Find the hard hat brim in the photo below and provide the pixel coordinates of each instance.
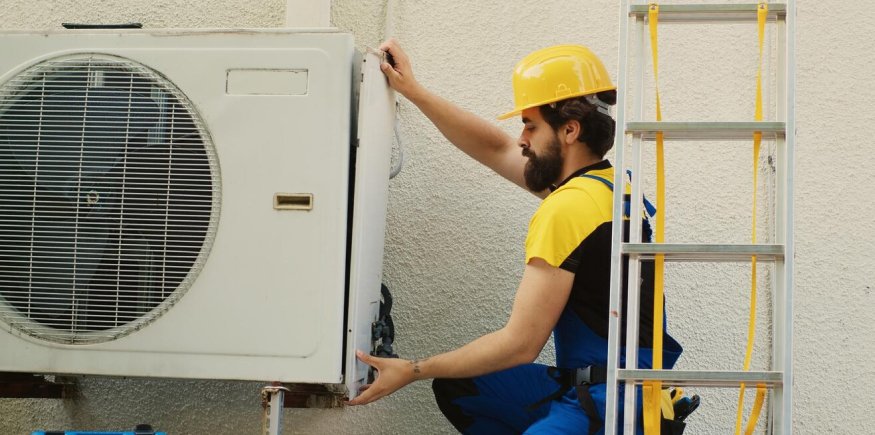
(519, 110)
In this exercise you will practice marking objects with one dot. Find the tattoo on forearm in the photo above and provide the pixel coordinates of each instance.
(415, 364)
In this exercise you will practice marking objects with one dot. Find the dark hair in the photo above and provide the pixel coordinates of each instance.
(596, 128)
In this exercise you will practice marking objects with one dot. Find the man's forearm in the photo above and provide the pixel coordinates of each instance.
(489, 353)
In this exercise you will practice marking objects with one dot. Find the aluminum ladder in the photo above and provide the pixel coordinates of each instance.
(635, 131)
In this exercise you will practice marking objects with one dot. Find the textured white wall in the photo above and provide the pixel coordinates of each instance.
(455, 231)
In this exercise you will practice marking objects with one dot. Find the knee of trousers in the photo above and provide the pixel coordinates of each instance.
(451, 389)
(446, 391)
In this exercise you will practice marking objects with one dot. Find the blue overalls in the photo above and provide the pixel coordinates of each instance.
(499, 403)
(502, 402)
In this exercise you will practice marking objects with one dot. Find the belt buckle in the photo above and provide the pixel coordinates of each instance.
(583, 376)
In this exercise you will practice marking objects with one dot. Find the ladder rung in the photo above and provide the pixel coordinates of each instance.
(702, 378)
(704, 252)
(706, 130)
(710, 13)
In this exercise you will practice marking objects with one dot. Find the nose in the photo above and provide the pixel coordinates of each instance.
(526, 151)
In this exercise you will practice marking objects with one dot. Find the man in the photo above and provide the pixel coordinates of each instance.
(563, 95)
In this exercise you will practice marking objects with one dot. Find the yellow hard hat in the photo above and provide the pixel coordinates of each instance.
(557, 73)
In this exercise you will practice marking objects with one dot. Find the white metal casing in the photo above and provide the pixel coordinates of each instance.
(270, 300)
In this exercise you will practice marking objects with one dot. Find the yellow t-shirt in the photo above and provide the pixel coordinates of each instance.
(568, 216)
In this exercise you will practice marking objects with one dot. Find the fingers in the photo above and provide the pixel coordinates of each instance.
(368, 359)
(362, 399)
(392, 375)
(399, 71)
(396, 78)
(367, 395)
(389, 71)
(392, 47)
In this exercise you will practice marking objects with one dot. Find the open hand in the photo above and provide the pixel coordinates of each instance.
(392, 375)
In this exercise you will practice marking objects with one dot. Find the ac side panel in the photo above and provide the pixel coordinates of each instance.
(268, 302)
(375, 133)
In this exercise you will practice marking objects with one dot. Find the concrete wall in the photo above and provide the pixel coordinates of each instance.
(455, 230)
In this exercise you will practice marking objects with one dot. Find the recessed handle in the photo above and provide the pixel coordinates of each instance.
(293, 201)
(102, 26)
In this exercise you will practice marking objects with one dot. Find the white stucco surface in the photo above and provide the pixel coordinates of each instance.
(455, 230)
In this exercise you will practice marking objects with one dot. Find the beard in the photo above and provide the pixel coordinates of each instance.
(543, 170)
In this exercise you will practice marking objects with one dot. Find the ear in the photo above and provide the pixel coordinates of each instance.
(570, 131)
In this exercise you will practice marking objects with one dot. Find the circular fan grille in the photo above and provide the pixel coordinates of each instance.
(108, 198)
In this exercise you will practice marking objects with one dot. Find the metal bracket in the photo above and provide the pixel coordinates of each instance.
(272, 398)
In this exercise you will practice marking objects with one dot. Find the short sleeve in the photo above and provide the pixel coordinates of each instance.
(560, 224)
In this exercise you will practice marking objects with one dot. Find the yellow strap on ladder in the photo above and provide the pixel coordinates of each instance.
(762, 13)
(652, 390)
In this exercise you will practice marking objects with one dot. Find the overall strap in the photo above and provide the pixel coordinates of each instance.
(648, 207)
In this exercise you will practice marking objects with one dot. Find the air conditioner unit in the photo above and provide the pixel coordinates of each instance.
(191, 204)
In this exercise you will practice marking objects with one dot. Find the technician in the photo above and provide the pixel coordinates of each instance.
(563, 96)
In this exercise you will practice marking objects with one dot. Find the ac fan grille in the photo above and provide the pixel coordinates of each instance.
(108, 198)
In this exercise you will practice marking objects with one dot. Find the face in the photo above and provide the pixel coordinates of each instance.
(542, 147)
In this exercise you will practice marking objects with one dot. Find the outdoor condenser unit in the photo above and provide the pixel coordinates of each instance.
(191, 204)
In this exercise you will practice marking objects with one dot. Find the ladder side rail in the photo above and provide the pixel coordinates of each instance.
(776, 280)
(633, 291)
(780, 405)
(616, 284)
(776, 421)
(785, 425)
(779, 314)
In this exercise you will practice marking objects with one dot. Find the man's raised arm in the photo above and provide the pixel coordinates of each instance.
(477, 137)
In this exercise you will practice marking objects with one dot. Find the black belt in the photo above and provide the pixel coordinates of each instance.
(581, 379)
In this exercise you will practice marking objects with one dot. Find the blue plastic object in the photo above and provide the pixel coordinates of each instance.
(140, 429)
(61, 432)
